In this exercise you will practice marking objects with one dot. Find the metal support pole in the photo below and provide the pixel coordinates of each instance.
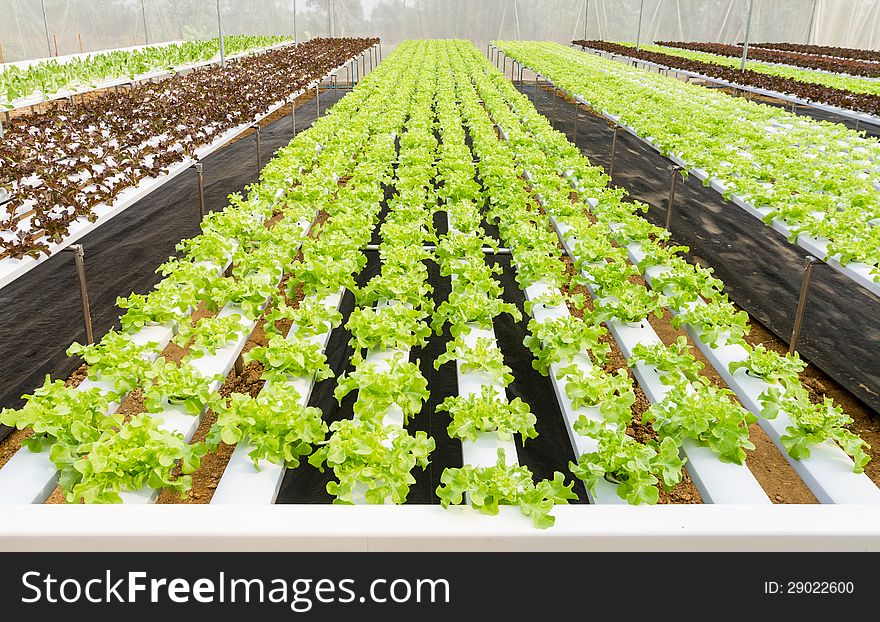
(144, 16)
(259, 155)
(46, 27)
(809, 262)
(639, 32)
(812, 20)
(586, 15)
(318, 100)
(536, 83)
(675, 172)
(746, 40)
(200, 180)
(613, 151)
(294, 23)
(79, 262)
(220, 34)
(363, 64)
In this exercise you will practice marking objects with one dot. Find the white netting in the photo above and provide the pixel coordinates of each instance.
(102, 24)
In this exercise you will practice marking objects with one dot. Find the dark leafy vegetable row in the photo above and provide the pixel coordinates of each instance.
(863, 102)
(61, 164)
(835, 65)
(823, 50)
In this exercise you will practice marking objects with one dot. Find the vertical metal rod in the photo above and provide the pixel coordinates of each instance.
(144, 16)
(294, 23)
(536, 83)
(259, 155)
(809, 262)
(46, 26)
(675, 172)
(586, 15)
(363, 64)
(748, 32)
(200, 180)
(348, 74)
(220, 35)
(613, 151)
(79, 262)
(318, 100)
(639, 32)
(812, 20)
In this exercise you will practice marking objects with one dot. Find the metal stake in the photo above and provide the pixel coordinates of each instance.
(259, 158)
(46, 26)
(675, 171)
(79, 262)
(200, 180)
(318, 100)
(613, 150)
(809, 262)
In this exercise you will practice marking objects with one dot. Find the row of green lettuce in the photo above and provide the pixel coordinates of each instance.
(48, 77)
(818, 177)
(706, 414)
(100, 452)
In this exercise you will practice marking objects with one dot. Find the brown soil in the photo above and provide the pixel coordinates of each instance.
(206, 478)
(819, 385)
(773, 472)
(685, 491)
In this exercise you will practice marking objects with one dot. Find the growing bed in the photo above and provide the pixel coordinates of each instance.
(433, 305)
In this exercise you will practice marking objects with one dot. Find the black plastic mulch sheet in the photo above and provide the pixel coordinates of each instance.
(550, 451)
(40, 313)
(761, 270)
